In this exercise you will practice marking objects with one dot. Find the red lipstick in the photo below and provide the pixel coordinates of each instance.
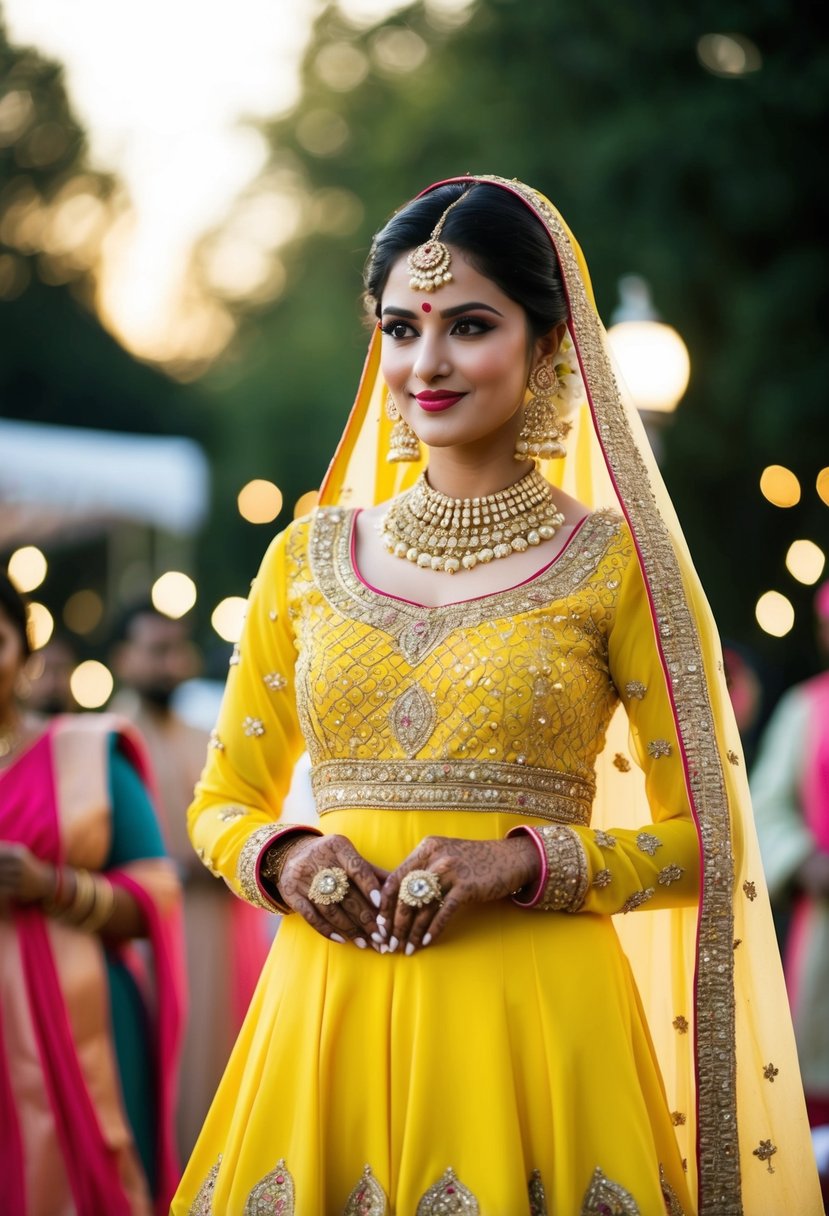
(434, 402)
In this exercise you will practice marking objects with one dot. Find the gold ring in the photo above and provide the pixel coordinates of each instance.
(329, 886)
(420, 887)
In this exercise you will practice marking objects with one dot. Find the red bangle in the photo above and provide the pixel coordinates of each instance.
(525, 830)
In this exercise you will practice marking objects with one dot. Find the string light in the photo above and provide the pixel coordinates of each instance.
(260, 502)
(228, 618)
(173, 594)
(91, 684)
(780, 486)
(775, 614)
(805, 561)
(27, 568)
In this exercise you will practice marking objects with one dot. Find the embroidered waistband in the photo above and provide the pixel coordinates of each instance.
(453, 785)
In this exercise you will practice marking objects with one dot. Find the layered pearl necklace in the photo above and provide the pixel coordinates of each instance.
(441, 533)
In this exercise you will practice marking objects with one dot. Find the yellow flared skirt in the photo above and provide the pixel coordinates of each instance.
(514, 1052)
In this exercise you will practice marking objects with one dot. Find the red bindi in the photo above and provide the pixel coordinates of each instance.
(426, 307)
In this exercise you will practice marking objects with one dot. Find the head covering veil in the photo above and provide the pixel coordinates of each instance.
(720, 958)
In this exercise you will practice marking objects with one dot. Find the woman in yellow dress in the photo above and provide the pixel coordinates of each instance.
(530, 966)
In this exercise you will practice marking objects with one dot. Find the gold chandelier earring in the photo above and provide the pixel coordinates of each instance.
(404, 446)
(541, 431)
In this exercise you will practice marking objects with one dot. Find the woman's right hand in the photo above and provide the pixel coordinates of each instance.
(354, 918)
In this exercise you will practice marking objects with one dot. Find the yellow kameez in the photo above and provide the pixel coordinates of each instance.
(514, 1052)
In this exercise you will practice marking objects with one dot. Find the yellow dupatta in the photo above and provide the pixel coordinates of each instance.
(709, 976)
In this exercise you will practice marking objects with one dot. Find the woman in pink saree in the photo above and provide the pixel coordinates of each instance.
(88, 1025)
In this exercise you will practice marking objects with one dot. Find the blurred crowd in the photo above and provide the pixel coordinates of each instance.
(159, 719)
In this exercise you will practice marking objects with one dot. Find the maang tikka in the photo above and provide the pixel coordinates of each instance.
(404, 445)
(429, 263)
(541, 431)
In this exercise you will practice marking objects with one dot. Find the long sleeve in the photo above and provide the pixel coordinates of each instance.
(785, 840)
(256, 743)
(619, 870)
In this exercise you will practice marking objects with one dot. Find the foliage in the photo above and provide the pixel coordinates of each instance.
(711, 187)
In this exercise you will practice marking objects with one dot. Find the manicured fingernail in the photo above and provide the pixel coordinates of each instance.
(361, 942)
(427, 937)
(375, 898)
(377, 937)
(335, 937)
(393, 944)
(384, 949)
(381, 920)
(410, 948)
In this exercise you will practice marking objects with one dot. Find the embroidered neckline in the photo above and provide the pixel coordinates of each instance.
(418, 630)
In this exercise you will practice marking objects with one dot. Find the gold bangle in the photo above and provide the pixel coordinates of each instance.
(102, 908)
(83, 899)
(273, 863)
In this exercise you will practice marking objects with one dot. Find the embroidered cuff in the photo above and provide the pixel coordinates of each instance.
(565, 876)
(249, 866)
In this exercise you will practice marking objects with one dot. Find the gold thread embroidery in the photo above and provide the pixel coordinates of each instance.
(538, 1197)
(657, 748)
(603, 878)
(678, 1118)
(447, 1197)
(646, 842)
(418, 630)
(604, 839)
(254, 728)
(770, 1072)
(232, 812)
(733, 758)
(750, 891)
(680, 1024)
(413, 718)
(569, 878)
(737, 941)
(606, 1198)
(274, 1195)
(452, 785)
(368, 1197)
(669, 874)
(635, 689)
(638, 898)
(202, 1205)
(764, 1152)
(248, 863)
(621, 762)
(672, 1204)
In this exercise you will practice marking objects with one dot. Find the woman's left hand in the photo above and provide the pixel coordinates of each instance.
(23, 877)
(469, 871)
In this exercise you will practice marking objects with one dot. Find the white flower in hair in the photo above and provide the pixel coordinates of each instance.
(571, 392)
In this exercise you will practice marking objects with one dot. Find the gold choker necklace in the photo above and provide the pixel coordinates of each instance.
(441, 533)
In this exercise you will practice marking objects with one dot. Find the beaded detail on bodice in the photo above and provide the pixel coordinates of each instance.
(437, 706)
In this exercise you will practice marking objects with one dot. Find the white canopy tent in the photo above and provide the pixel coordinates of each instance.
(58, 480)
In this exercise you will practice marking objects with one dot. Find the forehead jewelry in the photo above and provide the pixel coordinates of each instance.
(429, 263)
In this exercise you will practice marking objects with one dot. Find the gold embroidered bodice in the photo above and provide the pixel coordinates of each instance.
(445, 700)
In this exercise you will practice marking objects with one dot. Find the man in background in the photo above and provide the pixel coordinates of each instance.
(226, 939)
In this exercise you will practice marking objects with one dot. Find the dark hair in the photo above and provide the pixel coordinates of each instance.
(15, 607)
(122, 626)
(499, 234)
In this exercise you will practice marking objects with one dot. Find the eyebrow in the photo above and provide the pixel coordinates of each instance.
(446, 313)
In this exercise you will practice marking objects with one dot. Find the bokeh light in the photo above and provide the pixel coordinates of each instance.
(83, 611)
(91, 684)
(41, 624)
(229, 617)
(27, 568)
(306, 503)
(775, 614)
(173, 594)
(822, 485)
(728, 54)
(805, 561)
(260, 502)
(780, 486)
(653, 361)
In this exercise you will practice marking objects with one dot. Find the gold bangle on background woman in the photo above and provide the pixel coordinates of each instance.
(427, 527)
(92, 902)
